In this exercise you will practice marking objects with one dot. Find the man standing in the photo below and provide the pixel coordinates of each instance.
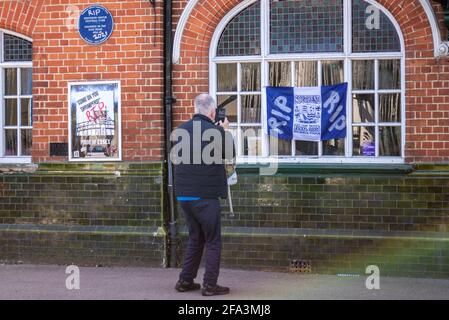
(199, 183)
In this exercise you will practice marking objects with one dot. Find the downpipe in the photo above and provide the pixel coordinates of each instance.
(169, 100)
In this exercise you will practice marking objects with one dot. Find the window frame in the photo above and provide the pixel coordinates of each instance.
(19, 159)
(347, 56)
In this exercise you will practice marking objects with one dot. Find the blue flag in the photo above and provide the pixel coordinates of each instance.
(307, 113)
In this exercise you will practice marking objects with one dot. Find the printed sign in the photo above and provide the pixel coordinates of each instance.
(95, 121)
(308, 113)
(368, 149)
(96, 24)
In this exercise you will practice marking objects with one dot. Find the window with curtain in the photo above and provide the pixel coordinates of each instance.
(16, 98)
(305, 43)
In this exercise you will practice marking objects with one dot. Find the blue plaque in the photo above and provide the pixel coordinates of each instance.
(96, 24)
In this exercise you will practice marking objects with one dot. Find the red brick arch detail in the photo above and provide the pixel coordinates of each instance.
(20, 16)
(192, 73)
(427, 78)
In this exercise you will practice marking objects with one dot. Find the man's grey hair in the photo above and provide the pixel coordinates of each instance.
(204, 104)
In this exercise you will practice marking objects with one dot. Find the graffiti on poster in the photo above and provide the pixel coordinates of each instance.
(94, 109)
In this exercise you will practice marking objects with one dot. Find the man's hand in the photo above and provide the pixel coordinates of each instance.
(224, 124)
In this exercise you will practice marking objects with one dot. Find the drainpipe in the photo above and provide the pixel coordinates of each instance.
(445, 4)
(169, 100)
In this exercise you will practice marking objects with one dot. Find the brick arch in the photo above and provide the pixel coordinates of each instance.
(206, 14)
(20, 16)
(192, 73)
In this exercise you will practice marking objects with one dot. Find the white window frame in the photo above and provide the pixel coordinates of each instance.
(347, 56)
(8, 65)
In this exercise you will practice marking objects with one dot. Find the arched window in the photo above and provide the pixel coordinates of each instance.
(305, 43)
(16, 98)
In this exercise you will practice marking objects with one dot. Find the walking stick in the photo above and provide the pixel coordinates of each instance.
(231, 208)
(232, 180)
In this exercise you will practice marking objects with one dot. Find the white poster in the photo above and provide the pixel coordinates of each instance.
(307, 114)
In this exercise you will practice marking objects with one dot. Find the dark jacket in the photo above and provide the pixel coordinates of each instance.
(193, 177)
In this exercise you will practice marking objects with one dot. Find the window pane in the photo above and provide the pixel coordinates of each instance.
(26, 142)
(11, 142)
(17, 49)
(306, 148)
(242, 35)
(306, 74)
(390, 107)
(302, 26)
(251, 109)
(280, 147)
(250, 76)
(364, 141)
(280, 74)
(233, 131)
(252, 141)
(390, 74)
(363, 74)
(390, 141)
(26, 81)
(363, 108)
(372, 30)
(227, 77)
(332, 73)
(230, 103)
(334, 147)
(10, 112)
(25, 114)
(10, 82)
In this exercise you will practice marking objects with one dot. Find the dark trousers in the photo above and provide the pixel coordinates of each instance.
(203, 218)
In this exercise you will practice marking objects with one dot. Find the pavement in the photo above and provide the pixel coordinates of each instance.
(18, 282)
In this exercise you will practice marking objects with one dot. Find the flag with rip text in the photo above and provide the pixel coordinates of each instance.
(307, 113)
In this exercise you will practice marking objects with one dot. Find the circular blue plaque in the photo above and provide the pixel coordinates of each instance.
(96, 24)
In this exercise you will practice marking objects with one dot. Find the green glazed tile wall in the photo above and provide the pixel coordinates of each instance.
(109, 214)
(390, 203)
(84, 194)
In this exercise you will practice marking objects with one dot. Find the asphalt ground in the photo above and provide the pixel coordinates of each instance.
(19, 282)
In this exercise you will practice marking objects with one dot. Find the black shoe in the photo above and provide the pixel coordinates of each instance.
(184, 286)
(216, 290)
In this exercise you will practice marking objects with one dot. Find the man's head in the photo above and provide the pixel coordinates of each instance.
(205, 105)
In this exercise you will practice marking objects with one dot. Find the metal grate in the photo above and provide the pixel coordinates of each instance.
(301, 266)
(59, 149)
(17, 49)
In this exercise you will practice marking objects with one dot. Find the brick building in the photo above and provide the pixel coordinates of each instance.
(377, 197)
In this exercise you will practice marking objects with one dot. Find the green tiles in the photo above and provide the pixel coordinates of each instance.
(123, 194)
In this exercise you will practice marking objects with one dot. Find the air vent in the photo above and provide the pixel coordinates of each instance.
(301, 266)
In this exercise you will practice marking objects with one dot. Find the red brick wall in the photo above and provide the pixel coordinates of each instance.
(132, 55)
(191, 75)
(20, 15)
(427, 78)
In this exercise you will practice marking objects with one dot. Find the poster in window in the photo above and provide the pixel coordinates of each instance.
(94, 126)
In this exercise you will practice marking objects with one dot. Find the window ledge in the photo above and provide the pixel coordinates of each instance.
(17, 168)
(14, 160)
(432, 169)
(327, 168)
